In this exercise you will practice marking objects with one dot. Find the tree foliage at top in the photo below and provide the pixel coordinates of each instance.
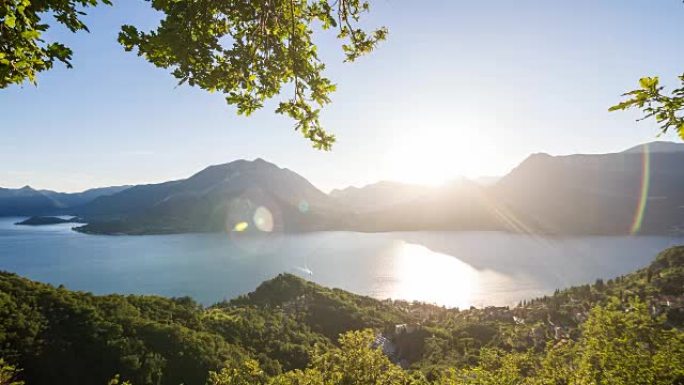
(23, 51)
(249, 50)
(654, 102)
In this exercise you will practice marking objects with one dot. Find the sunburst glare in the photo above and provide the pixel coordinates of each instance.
(439, 152)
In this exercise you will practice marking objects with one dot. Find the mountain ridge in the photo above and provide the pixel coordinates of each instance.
(27, 201)
(578, 194)
(224, 197)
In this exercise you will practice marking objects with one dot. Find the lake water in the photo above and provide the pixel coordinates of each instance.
(456, 269)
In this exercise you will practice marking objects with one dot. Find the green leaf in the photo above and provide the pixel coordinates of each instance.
(10, 20)
(648, 82)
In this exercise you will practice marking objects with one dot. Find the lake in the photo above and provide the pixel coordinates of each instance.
(456, 269)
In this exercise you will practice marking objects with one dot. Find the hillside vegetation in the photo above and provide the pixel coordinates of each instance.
(290, 331)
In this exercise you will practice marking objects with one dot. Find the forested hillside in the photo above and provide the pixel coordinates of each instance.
(623, 331)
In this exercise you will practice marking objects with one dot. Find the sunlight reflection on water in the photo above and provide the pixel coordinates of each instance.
(423, 274)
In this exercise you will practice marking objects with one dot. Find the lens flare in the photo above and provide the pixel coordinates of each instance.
(263, 219)
(303, 206)
(643, 194)
(240, 226)
(254, 223)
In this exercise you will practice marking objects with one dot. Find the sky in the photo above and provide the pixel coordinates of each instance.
(460, 88)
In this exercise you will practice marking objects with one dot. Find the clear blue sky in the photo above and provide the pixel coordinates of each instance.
(460, 88)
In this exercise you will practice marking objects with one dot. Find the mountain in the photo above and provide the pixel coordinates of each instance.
(240, 195)
(81, 198)
(640, 190)
(379, 195)
(657, 146)
(459, 205)
(487, 180)
(27, 201)
(599, 194)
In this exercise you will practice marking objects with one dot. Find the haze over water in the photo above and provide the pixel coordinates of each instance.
(456, 269)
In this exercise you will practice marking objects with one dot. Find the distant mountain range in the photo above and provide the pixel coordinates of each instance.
(640, 190)
(27, 201)
(379, 195)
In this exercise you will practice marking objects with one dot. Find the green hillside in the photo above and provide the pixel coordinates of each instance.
(623, 331)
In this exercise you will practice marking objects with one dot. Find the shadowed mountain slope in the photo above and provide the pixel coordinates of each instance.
(598, 194)
(240, 195)
(25, 201)
(635, 191)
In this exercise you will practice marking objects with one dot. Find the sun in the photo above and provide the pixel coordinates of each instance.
(438, 154)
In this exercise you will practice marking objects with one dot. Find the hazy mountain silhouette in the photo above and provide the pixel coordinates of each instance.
(572, 194)
(378, 196)
(81, 198)
(244, 195)
(27, 201)
(459, 205)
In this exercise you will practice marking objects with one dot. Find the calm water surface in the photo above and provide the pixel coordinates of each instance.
(456, 269)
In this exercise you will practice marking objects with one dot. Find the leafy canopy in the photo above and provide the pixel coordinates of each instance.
(354, 362)
(23, 51)
(623, 344)
(650, 98)
(246, 49)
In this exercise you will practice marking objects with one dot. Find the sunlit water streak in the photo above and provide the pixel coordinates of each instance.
(445, 279)
(456, 269)
(424, 275)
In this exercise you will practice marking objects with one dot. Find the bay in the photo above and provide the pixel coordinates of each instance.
(455, 269)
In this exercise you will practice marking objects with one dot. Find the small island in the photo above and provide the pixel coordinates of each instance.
(39, 221)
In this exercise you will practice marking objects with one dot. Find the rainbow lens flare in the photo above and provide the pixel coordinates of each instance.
(643, 194)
